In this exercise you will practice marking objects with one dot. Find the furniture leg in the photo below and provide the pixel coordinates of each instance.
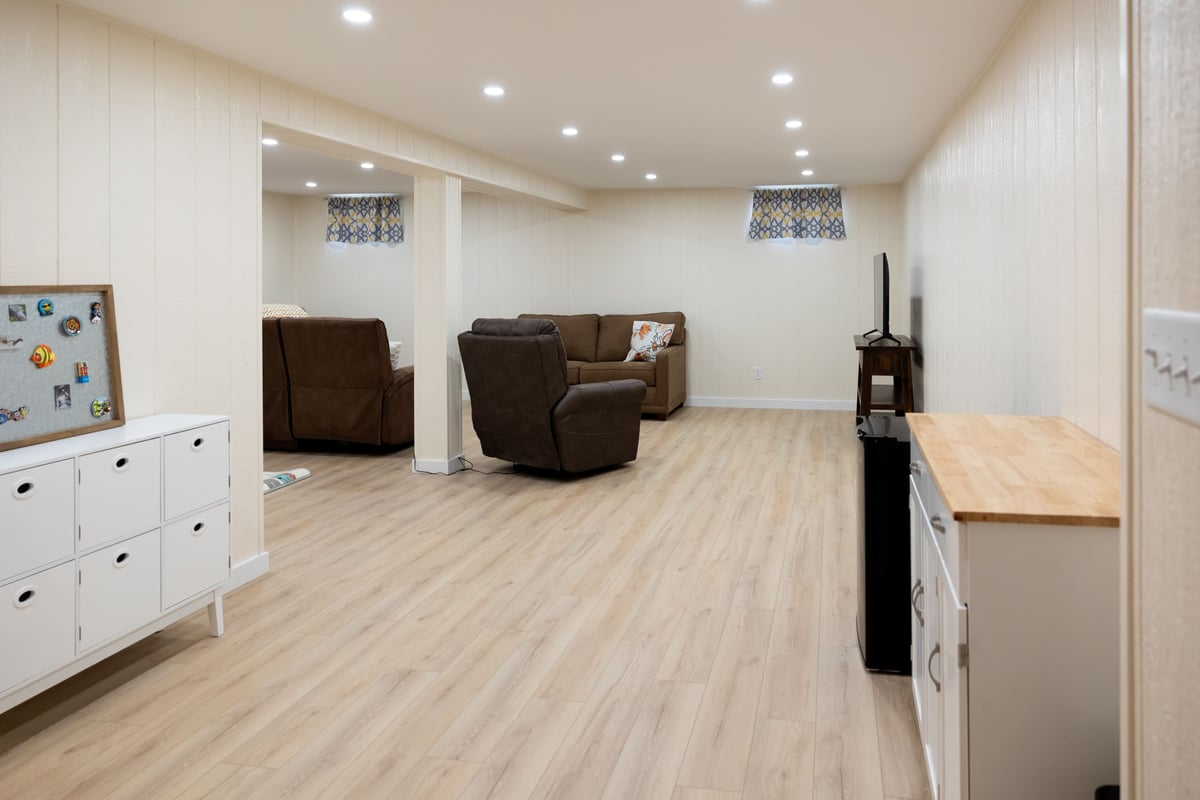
(216, 616)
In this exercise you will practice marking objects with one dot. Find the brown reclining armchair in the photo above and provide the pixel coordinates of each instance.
(340, 382)
(524, 411)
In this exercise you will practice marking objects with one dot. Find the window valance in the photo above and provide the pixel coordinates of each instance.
(797, 212)
(375, 219)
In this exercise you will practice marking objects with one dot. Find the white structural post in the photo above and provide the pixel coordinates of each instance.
(437, 300)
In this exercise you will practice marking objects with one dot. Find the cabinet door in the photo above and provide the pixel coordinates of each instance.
(195, 469)
(916, 599)
(934, 659)
(953, 674)
(37, 625)
(195, 554)
(119, 493)
(118, 589)
(38, 509)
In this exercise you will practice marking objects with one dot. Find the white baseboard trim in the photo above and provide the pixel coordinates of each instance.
(771, 402)
(245, 571)
(439, 466)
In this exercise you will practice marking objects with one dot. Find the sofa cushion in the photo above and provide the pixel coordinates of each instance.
(578, 333)
(612, 343)
(617, 370)
(573, 371)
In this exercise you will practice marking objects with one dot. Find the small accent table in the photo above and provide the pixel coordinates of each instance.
(887, 358)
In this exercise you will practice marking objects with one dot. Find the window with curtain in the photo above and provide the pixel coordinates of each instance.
(798, 212)
(374, 220)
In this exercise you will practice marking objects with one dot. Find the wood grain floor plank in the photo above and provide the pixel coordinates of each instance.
(523, 754)
(781, 760)
(719, 750)
(649, 763)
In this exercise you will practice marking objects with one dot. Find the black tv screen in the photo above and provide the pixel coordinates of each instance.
(882, 320)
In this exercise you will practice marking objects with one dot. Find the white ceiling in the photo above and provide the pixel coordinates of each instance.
(681, 87)
(286, 168)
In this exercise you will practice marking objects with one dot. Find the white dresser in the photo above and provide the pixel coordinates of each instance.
(106, 538)
(1015, 606)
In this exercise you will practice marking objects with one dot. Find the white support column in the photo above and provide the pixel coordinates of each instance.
(437, 300)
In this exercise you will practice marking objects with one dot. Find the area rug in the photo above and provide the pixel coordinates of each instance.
(278, 480)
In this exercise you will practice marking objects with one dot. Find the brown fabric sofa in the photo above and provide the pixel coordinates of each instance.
(596, 346)
(524, 411)
(331, 379)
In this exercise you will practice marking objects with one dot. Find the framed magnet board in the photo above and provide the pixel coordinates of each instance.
(60, 372)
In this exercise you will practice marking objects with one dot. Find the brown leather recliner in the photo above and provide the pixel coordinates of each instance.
(341, 383)
(277, 409)
(524, 411)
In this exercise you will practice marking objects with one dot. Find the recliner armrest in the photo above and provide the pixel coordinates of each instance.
(598, 424)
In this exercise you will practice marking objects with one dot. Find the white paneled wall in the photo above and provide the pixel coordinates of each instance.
(789, 307)
(1015, 228)
(132, 160)
(353, 281)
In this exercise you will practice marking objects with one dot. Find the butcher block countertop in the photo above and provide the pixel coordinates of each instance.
(1039, 470)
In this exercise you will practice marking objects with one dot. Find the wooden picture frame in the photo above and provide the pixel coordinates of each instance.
(57, 363)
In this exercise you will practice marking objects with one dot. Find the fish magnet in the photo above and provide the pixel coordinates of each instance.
(42, 356)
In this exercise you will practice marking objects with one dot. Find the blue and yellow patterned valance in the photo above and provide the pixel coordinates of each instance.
(797, 212)
(366, 220)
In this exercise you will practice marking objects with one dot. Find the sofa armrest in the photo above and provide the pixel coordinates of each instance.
(670, 374)
(598, 424)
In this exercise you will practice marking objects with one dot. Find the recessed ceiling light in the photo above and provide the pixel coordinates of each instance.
(367, 165)
(807, 173)
(618, 157)
(801, 154)
(494, 91)
(569, 131)
(781, 79)
(269, 142)
(792, 124)
(650, 176)
(311, 184)
(359, 16)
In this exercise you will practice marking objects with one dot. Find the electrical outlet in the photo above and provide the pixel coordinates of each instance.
(758, 373)
(1171, 361)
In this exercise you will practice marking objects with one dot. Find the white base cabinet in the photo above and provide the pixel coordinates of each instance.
(1015, 651)
(106, 538)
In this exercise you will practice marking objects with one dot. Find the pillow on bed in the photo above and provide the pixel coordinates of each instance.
(648, 338)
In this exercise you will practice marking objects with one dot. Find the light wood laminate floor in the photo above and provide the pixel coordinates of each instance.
(679, 628)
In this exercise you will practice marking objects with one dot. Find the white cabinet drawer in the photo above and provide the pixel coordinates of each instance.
(118, 589)
(119, 493)
(195, 554)
(37, 624)
(37, 510)
(197, 468)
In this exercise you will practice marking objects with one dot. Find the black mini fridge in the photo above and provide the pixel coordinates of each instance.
(884, 632)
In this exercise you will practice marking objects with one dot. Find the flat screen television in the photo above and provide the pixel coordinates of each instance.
(882, 298)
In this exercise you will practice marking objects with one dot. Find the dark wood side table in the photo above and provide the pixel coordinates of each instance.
(887, 358)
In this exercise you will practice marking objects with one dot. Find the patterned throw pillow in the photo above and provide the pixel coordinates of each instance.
(648, 339)
(276, 310)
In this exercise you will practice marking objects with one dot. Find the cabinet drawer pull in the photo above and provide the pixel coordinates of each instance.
(917, 592)
(26, 597)
(121, 463)
(122, 560)
(198, 529)
(916, 468)
(937, 685)
(198, 444)
(24, 490)
(938, 523)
